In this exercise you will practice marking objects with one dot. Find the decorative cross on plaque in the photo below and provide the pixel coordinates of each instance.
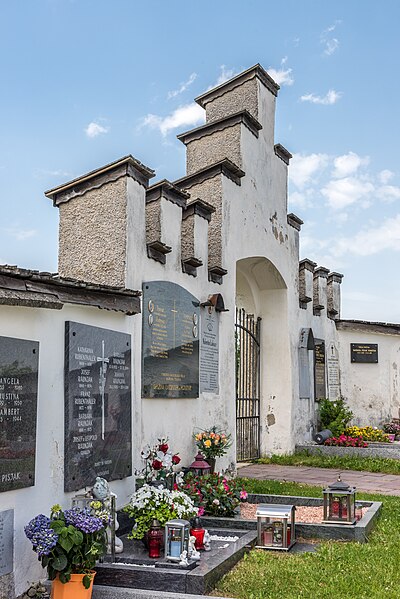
(102, 384)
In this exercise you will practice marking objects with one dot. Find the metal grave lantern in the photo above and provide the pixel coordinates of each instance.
(200, 466)
(176, 539)
(339, 503)
(276, 528)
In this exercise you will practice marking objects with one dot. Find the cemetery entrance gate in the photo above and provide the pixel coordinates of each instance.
(247, 356)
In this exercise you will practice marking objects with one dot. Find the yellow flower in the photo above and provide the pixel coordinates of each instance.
(207, 443)
(198, 437)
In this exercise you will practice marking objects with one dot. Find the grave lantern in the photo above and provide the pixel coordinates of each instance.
(176, 539)
(155, 539)
(276, 527)
(200, 466)
(339, 503)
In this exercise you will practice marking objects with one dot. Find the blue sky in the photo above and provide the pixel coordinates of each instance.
(85, 82)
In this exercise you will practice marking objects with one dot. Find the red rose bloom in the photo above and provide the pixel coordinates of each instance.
(156, 465)
(163, 447)
(176, 459)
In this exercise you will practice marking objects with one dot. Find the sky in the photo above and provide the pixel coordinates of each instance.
(84, 82)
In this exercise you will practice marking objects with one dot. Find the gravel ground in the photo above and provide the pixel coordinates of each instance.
(303, 513)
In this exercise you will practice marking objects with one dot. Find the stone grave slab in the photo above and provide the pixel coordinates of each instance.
(6, 542)
(170, 341)
(133, 568)
(97, 405)
(19, 360)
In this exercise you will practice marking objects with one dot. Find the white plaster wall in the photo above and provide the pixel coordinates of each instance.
(47, 327)
(372, 390)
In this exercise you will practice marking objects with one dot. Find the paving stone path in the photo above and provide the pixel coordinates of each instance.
(370, 482)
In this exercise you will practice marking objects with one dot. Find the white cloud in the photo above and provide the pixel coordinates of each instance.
(188, 115)
(389, 193)
(304, 167)
(331, 46)
(385, 176)
(94, 129)
(347, 164)
(282, 76)
(373, 240)
(21, 234)
(330, 98)
(183, 87)
(331, 43)
(42, 173)
(341, 193)
(224, 75)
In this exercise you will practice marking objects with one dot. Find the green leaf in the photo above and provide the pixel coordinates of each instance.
(60, 562)
(86, 581)
(66, 543)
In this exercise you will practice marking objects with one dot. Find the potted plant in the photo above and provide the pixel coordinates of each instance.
(392, 430)
(212, 443)
(157, 503)
(68, 544)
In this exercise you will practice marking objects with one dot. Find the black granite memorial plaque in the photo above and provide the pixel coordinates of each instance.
(170, 344)
(18, 406)
(97, 405)
(319, 369)
(209, 351)
(6, 542)
(365, 353)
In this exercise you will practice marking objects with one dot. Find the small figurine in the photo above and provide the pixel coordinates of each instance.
(193, 553)
(101, 489)
(184, 558)
(207, 541)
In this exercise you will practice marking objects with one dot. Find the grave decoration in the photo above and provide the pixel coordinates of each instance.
(157, 503)
(103, 502)
(212, 443)
(214, 494)
(68, 544)
(198, 532)
(276, 528)
(159, 463)
(155, 539)
(177, 540)
(339, 503)
(200, 467)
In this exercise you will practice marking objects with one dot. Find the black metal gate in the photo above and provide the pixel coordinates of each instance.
(247, 340)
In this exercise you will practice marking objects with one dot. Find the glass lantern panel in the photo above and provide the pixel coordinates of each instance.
(278, 534)
(174, 542)
(267, 534)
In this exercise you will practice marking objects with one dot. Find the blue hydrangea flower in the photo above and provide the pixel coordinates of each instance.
(83, 520)
(36, 524)
(42, 537)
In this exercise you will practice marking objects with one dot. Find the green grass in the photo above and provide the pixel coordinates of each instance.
(337, 570)
(384, 465)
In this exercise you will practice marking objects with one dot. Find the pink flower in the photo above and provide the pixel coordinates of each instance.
(200, 511)
(243, 494)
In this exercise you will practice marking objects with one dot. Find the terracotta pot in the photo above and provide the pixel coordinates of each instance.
(73, 589)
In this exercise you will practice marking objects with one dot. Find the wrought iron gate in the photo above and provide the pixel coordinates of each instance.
(247, 346)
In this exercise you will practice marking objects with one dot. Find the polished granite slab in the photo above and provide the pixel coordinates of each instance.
(134, 569)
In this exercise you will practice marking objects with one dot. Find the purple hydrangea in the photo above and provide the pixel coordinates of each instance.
(42, 537)
(35, 525)
(83, 520)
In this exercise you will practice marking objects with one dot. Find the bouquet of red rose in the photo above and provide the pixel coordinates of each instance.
(159, 462)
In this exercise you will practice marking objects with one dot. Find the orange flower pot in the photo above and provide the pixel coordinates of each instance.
(73, 589)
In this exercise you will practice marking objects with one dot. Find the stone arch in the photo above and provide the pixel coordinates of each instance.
(261, 290)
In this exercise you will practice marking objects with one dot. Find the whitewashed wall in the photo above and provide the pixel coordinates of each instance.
(47, 327)
(371, 390)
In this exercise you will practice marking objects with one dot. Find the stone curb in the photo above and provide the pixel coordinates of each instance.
(104, 592)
